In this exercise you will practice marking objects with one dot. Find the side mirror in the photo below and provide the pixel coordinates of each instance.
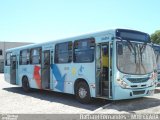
(120, 49)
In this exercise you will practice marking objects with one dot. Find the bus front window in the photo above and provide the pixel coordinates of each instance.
(135, 58)
(157, 53)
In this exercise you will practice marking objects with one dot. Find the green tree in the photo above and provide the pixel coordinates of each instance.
(155, 37)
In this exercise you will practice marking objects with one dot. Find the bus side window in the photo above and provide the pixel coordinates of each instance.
(63, 52)
(35, 57)
(24, 57)
(7, 61)
(84, 50)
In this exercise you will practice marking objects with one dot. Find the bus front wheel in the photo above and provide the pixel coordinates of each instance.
(25, 84)
(82, 92)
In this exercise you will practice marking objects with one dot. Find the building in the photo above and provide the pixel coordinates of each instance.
(7, 45)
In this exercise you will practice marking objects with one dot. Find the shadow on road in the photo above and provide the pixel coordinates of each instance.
(131, 105)
(134, 105)
(66, 99)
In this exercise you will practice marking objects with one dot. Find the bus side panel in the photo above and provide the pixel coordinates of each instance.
(7, 73)
(64, 76)
(33, 74)
(85, 71)
(62, 81)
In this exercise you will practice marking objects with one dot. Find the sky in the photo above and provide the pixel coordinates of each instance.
(45, 20)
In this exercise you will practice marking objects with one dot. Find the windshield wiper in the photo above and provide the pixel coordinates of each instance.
(134, 49)
(130, 47)
(142, 49)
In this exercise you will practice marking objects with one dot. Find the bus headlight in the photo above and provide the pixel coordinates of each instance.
(122, 83)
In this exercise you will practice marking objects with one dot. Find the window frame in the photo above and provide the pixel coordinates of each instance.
(20, 57)
(70, 52)
(92, 39)
(39, 55)
(6, 63)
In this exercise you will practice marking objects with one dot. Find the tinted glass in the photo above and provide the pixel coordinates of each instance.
(24, 57)
(36, 56)
(84, 50)
(63, 52)
(8, 62)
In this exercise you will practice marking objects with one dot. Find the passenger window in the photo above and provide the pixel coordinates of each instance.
(63, 52)
(36, 56)
(84, 50)
(8, 61)
(24, 57)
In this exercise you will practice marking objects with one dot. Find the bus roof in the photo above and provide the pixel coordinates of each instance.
(63, 40)
(95, 34)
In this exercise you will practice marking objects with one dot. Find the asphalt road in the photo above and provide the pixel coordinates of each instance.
(14, 100)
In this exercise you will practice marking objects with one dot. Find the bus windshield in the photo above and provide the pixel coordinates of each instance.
(157, 53)
(135, 58)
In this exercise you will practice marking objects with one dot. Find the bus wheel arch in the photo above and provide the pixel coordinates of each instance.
(82, 90)
(25, 84)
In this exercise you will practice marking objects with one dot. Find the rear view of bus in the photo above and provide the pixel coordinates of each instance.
(135, 65)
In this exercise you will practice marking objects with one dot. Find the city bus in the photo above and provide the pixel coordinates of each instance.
(156, 48)
(114, 64)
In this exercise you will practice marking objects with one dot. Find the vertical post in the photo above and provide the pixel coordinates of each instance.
(4, 53)
(109, 66)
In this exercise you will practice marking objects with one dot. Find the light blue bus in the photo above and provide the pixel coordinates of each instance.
(114, 64)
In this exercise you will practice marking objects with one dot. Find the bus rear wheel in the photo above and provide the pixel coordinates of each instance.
(25, 84)
(82, 92)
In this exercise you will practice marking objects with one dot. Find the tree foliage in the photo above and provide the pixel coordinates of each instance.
(155, 37)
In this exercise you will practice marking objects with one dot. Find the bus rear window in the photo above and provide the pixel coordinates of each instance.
(84, 50)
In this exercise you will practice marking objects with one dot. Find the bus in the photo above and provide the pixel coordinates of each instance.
(156, 48)
(114, 64)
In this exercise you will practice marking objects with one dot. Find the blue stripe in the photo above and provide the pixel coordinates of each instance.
(60, 79)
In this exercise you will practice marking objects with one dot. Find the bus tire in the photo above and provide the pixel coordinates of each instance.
(82, 92)
(25, 84)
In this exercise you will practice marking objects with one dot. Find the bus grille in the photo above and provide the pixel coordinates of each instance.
(138, 80)
(138, 92)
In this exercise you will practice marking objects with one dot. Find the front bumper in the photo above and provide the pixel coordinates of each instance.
(120, 93)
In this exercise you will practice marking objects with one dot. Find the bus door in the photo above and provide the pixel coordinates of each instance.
(13, 69)
(45, 69)
(103, 70)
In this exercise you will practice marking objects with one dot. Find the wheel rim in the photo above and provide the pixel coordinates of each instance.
(82, 93)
